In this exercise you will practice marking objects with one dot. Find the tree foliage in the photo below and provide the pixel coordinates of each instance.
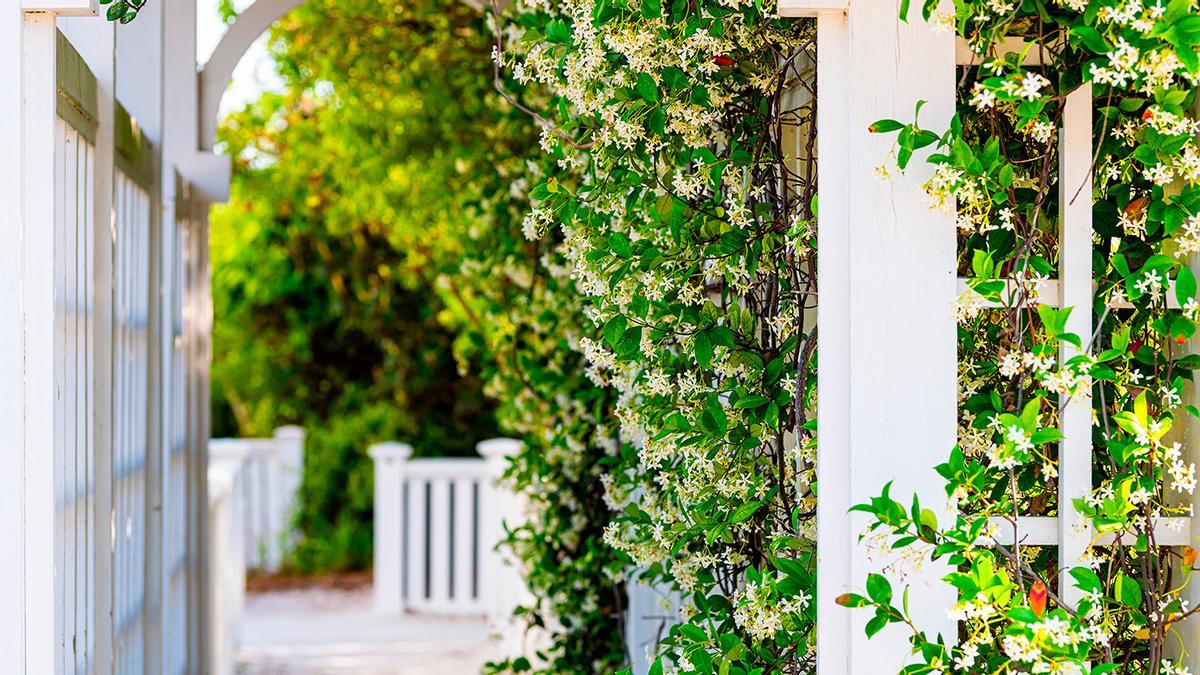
(345, 211)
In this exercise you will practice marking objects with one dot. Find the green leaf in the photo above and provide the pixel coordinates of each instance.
(879, 621)
(652, 9)
(751, 401)
(614, 330)
(702, 348)
(743, 512)
(1128, 591)
(620, 244)
(879, 588)
(1091, 38)
(1185, 285)
(647, 88)
(884, 126)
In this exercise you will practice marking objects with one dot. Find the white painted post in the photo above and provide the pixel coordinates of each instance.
(888, 415)
(227, 562)
(1075, 282)
(390, 459)
(288, 471)
(500, 579)
(12, 362)
(37, 285)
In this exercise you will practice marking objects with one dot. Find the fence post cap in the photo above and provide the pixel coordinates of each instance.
(290, 431)
(390, 450)
(498, 448)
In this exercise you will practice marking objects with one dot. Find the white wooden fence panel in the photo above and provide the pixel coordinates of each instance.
(437, 522)
(73, 344)
(271, 470)
(176, 613)
(131, 207)
(226, 559)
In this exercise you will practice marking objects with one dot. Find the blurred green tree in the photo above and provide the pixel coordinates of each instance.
(346, 208)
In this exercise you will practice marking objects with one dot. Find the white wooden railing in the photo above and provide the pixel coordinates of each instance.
(252, 491)
(226, 558)
(270, 477)
(437, 524)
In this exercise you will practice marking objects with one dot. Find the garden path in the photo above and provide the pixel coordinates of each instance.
(325, 631)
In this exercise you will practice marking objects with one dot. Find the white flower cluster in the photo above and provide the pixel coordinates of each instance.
(762, 615)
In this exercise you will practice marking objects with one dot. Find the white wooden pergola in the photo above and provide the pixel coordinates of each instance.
(104, 322)
(104, 338)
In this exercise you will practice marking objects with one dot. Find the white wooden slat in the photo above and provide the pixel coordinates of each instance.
(1045, 531)
(439, 543)
(67, 393)
(90, 373)
(132, 214)
(462, 555)
(1075, 274)
(80, 430)
(834, 539)
(415, 526)
(62, 553)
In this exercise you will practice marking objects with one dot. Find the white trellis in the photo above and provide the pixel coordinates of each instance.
(437, 524)
(887, 372)
(103, 328)
(104, 324)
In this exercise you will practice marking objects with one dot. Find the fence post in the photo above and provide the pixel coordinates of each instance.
(227, 562)
(286, 473)
(879, 241)
(505, 588)
(390, 460)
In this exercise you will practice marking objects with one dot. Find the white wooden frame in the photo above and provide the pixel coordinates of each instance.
(875, 351)
(866, 57)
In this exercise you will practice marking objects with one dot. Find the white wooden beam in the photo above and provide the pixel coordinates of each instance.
(1075, 283)
(889, 413)
(12, 361)
(835, 541)
(811, 8)
(1044, 531)
(1189, 630)
(37, 118)
(62, 7)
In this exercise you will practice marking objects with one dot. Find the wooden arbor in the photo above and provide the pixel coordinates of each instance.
(887, 380)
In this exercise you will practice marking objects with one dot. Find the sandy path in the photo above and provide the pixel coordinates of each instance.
(334, 632)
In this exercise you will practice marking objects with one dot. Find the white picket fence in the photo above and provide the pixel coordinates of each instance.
(226, 559)
(437, 524)
(253, 485)
(271, 469)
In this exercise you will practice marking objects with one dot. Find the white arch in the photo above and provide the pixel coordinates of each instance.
(215, 74)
